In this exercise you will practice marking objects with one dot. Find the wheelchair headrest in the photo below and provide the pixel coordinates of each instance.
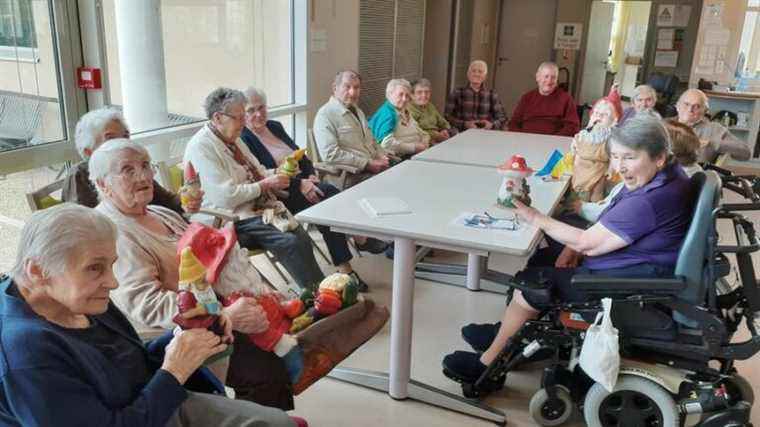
(665, 84)
(694, 250)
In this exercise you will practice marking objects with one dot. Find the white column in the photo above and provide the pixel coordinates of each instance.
(141, 68)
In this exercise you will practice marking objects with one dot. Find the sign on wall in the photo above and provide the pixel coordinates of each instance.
(568, 35)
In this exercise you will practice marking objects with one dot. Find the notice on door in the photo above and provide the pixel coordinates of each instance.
(568, 35)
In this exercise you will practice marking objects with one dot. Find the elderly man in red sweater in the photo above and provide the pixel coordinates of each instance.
(546, 109)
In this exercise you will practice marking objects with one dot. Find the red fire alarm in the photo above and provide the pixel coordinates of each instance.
(88, 78)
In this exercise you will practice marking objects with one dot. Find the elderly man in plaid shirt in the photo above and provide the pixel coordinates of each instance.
(475, 106)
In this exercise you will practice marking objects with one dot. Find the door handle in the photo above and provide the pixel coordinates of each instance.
(502, 59)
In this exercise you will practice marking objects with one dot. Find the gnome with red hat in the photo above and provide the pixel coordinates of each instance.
(210, 248)
(591, 162)
(513, 185)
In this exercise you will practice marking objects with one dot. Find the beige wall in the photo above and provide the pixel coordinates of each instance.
(485, 21)
(435, 66)
(340, 19)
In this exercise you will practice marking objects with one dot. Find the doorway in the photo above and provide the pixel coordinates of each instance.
(525, 40)
(615, 48)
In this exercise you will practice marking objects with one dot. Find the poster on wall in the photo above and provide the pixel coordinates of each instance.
(665, 15)
(568, 35)
(666, 58)
(713, 14)
(681, 15)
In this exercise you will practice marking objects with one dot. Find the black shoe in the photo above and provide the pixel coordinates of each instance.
(363, 286)
(389, 251)
(373, 246)
(480, 335)
(465, 367)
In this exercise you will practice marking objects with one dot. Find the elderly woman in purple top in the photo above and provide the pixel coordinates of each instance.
(638, 234)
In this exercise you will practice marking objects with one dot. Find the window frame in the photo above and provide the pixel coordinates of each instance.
(64, 21)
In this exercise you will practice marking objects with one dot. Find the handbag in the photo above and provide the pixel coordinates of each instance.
(600, 355)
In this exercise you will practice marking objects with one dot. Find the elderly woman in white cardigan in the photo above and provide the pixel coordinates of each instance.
(234, 180)
(147, 270)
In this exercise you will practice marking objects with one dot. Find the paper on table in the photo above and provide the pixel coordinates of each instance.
(485, 222)
(384, 206)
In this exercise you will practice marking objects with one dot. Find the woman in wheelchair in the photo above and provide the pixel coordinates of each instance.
(637, 236)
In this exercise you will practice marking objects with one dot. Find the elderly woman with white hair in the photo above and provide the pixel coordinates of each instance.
(644, 99)
(425, 113)
(71, 357)
(393, 126)
(234, 180)
(93, 129)
(147, 270)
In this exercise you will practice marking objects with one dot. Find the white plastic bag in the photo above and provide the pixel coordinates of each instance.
(600, 356)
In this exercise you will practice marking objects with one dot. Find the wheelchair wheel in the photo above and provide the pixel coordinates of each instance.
(638, 401)
(739, 384)
(551, 412)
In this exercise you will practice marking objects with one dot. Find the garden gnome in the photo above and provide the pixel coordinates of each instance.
(197, 302)
(289, 166)
(591, 162)
(513, 185)
(191, 189)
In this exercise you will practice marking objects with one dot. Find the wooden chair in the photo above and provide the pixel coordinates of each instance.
(43, 198)
(339, 172)
(171, 175)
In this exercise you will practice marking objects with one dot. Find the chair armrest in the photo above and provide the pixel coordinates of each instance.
(597, 284)
(335, 169)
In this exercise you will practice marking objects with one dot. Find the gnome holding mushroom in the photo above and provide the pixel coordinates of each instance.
(513, 185)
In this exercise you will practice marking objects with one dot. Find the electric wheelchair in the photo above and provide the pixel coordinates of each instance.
(677, 358)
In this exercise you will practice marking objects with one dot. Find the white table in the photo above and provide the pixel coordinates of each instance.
(489, 148)
(436, 193)
(486, 148)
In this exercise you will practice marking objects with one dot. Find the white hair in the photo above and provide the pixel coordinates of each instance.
(394, 83)
(547, 64)
(702, 97)
(51, 237)
(641, 90)
(91, 126)
(253, 93)
(478, 62)
(105, 157)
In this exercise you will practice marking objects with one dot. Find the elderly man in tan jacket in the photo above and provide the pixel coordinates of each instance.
(716, 139)
(342, 135)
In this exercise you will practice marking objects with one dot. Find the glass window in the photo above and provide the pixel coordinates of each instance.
(749, 47)
(211, 43)
(30, 102)
(17, 24)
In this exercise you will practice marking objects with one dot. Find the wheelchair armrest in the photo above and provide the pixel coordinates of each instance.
(597, 284)
(335, 169)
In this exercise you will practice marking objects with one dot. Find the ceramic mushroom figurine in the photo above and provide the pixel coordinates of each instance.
(513, 185)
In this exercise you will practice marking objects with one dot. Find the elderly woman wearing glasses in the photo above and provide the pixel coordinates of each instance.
(426, 115)
(147, 270)
(70, 357)
(234, 180)
(93, 129)
(393, 126)
(271, 145)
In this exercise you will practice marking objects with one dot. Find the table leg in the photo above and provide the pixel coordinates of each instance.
(401, 317)
(474, 276)
(397, 382)
(475, 264)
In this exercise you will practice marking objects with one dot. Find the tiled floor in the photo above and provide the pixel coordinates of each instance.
(439, 312)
